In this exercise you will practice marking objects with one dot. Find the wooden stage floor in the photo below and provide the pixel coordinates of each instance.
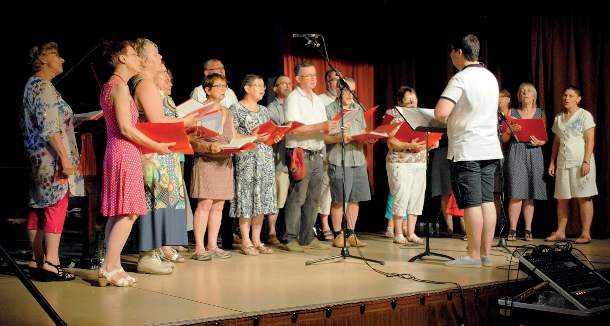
(245, 286)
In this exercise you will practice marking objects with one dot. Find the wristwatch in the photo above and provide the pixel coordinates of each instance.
(588, 162)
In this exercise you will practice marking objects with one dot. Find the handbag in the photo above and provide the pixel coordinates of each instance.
(297, 164)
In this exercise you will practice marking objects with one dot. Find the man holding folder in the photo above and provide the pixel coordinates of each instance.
(468, 105)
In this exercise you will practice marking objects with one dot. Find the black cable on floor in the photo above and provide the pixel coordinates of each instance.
(411, 277)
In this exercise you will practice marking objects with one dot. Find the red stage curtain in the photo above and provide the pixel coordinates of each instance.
(571, 49)
(363, 73)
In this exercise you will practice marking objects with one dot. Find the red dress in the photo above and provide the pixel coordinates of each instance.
(122, 181)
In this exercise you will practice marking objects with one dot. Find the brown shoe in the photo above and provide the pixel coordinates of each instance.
(355, 242)
(273, 240)
(338, 242)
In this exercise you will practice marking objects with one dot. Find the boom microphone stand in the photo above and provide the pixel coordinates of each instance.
(342, 86)
(502, 240)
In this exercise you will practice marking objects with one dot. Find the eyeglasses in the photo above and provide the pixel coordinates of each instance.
(220, 86)
(308, 76)
(255, 85)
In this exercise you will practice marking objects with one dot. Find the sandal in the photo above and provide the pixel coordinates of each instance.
(328, 235)
(61, 275)
(512, 235)
(528, 235)
(219, 253)
(104, 277)
(249, 250)
(264, 250)
(389, 232)
(174, 257)
(201, 256)
(415, 239)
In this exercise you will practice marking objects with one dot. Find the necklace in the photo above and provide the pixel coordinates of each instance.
(121, 78)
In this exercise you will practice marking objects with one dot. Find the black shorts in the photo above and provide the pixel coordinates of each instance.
(473, 182)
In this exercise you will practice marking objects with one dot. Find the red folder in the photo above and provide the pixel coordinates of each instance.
(166, 133)
(368, 114)
(275, 131)
(406, 134)
(233, 150)
(379, 133)
(530, 127)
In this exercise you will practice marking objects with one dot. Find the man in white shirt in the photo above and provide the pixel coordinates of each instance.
(468, 105)
(304, 106)
(209, 67)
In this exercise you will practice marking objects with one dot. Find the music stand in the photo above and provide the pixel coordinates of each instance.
(421, 119)
(342, 85)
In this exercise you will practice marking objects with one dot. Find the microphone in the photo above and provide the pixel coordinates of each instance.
(306, 35)
(505, 119)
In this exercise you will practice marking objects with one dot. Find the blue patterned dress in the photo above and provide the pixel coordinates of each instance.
(165, 222)
(46, 113)
(254, 170)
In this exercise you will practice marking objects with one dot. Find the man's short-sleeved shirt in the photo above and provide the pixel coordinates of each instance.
(299, 107)
(472, 126)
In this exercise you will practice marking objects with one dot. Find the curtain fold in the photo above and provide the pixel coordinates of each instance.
(572, 49)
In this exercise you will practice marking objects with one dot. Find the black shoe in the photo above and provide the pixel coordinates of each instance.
(61, 275)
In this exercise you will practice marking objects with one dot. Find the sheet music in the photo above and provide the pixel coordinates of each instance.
(348, 116)
(422, 119)
(239, 142)
(212, 121)
(190, 106)
(93, 115)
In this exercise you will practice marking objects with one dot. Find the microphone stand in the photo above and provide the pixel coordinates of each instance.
(342, 85)
(502, 240)
(88, 261)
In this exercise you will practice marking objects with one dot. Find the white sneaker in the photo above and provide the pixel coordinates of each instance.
(150, 263)
(464, 261)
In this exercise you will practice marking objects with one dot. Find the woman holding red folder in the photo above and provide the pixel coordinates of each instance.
(254, 170)
(574, 172)
(212, 177)
(525, 166)
(123, 198)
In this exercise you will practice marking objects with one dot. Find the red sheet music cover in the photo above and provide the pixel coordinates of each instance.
(379, 133)
(275, 130)
(531, 127)
(166, 133)
(406, 134)
(233, 150)
(368, 114)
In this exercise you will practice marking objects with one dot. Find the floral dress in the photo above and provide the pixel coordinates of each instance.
(46, 113)
(254, 170)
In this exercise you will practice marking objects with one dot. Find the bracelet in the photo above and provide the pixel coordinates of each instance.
(586, 162)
